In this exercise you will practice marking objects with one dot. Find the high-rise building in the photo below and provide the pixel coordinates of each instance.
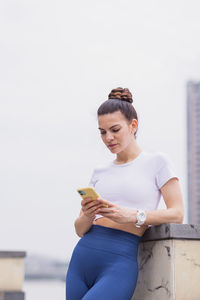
(193, 151)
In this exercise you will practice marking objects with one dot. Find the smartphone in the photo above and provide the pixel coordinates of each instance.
(89, 192)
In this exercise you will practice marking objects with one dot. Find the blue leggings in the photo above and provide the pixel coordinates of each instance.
(103, 265)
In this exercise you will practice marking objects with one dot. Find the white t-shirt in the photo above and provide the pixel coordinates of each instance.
(136, 184)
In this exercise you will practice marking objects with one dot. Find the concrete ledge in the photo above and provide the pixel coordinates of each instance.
(12, 254)
(11, 273)
(169, 263)
(172, 231)
(12, 296)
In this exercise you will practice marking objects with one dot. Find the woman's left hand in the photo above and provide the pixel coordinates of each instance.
(117, 213)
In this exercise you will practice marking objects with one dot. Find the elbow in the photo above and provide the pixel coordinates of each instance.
(181, 219)
(77, 231)
(180, 216)
(80, 235)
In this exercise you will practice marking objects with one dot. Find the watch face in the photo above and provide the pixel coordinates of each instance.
(141, 216)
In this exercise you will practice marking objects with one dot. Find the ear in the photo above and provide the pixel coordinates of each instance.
(133, 125)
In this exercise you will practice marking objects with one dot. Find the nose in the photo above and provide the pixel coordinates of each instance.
(109, 137)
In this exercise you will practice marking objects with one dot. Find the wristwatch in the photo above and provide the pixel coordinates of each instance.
(141, 217)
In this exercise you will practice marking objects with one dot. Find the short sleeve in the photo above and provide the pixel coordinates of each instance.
(93, 180)
(165, 171)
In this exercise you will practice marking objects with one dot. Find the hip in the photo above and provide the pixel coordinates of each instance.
(111, 240)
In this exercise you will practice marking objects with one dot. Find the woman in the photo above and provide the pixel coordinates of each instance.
(104, 262)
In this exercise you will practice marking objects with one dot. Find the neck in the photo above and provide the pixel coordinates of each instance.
(128, 154)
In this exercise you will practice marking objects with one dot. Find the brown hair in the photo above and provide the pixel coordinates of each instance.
(119, 99)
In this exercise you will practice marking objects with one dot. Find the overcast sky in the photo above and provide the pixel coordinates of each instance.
(58, 62)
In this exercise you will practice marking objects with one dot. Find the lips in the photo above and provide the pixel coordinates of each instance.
(112, 145)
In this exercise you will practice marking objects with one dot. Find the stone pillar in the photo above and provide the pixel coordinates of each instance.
(11, 275)
(169, 263)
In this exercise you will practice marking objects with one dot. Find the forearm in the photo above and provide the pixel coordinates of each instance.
(161, 216)
(82, 224)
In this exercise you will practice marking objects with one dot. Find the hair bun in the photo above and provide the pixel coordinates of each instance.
(121, 94)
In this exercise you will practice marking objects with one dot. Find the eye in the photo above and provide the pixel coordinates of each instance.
(102, 132)
(115, 130)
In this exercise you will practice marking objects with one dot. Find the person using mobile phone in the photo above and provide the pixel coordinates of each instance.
(104, 262)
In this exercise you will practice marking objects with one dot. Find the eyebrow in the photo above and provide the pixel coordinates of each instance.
(110, 127)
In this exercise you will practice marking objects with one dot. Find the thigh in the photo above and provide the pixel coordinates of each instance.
(76, 287)
(117, 282)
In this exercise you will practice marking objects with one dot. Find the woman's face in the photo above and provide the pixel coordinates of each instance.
(115, 131)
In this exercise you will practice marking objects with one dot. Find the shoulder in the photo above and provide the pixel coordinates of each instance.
(162, 158)
(97, 172)
(102, 167)
(160, 155)
(158, 159)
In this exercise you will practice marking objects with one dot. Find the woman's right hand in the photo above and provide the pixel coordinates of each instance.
(90, 207)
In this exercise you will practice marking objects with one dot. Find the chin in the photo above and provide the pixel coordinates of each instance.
(115, 150)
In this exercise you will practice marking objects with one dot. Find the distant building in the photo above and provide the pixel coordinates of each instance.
(193, 151)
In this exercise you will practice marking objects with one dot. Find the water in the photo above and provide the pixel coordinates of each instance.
(44, 289)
